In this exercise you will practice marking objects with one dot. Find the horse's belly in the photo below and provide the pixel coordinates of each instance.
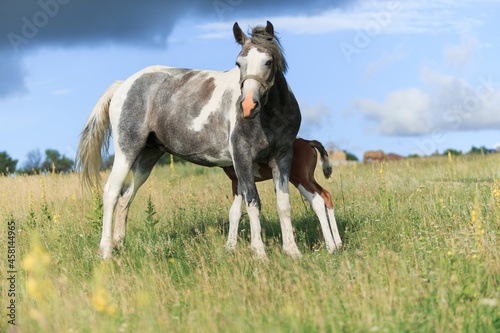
(209, 160)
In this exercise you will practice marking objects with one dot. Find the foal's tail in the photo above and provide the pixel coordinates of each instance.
(95, 139)
(325, 161)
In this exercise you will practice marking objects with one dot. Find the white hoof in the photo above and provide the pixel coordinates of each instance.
(293, 252)
(105, 249)
(335, 247)
(118, 244)
(230, 246)
(259, 252)
(105, 253)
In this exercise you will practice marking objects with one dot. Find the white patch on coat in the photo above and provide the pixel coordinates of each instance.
(221, 80)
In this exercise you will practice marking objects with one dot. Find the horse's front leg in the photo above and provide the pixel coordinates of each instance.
(247, 187)
(252, 203)
(281, 174)
(234, 217)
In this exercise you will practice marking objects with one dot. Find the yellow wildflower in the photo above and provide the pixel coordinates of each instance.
(33, 288)
(172, 167)
(36, 263)
(477, 225)
(42, 185)
(473, 216)
(101, 298)
(102, 301)
(495, 191)
(30, 201)
(37, 260)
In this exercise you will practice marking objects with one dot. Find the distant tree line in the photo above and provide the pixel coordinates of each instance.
(454, 152)
(474, 150)
(35, 163)
(54, 161)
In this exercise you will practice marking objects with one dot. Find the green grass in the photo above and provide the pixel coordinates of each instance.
(421, 255)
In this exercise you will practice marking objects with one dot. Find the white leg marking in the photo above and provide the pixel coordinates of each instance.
(318, 205)
(255, 230)
(333, 242)
(285, 212)
(234, 220)
(335, 229)
(110, 197)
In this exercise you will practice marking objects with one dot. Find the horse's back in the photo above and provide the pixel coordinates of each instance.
(183, 111)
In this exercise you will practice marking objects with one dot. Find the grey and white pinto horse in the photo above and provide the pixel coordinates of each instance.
(238, 117)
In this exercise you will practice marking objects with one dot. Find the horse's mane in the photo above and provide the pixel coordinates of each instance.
(259, 36)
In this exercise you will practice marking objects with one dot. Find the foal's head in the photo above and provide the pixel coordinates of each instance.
(260, 60)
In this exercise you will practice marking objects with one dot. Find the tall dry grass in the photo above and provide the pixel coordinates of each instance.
(421, 255)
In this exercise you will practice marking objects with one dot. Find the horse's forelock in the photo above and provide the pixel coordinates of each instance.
(259, 36)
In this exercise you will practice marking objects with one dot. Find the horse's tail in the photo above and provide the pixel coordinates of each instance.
(325, 161)
(95, 139)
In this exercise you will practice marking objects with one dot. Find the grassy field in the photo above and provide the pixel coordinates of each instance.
(421, 255)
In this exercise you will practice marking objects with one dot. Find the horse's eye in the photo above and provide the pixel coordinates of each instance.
(269, 63)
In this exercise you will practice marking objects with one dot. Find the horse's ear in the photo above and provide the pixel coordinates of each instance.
(239, 35)
(270, 28)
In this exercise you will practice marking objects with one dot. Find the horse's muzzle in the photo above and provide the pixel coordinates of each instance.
(250, 107)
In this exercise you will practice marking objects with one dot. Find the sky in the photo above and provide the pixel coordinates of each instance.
(403, 76)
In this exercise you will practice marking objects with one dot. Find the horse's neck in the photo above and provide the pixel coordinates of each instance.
(280, 91)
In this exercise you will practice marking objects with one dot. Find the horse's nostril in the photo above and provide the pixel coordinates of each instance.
(257, 105)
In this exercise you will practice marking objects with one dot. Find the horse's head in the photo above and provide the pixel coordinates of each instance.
(259, 61)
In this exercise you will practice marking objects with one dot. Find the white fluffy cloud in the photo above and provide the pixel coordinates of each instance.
(461, 55)
(404, 112)
(445, 103)
(373, 17)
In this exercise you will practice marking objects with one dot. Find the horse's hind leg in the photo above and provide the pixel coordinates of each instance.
(327, 198)
(112, 190)
(141, 170)
(318, 205)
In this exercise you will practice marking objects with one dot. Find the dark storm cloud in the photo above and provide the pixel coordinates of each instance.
(29, 24)
(11, 75)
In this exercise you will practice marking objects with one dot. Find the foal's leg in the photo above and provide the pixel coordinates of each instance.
(327, 197)
(141, 169)
(318, 205)
(112, 190)
(280, 179)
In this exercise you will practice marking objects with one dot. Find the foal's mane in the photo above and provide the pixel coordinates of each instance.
(259, 36)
